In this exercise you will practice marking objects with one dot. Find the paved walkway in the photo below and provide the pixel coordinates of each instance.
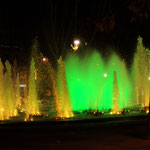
(114, 137)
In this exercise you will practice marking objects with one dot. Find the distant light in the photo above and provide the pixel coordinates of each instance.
(76, 42)
(118, 112)
(22, 85)
(148, 78)
(44, 59)
(105, 75)
(147, 111)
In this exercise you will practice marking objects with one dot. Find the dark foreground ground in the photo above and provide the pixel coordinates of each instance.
(88, 135)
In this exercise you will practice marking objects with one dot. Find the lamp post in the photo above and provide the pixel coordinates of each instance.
(75, 45)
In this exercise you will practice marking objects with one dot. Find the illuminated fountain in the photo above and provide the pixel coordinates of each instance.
(7, 99)
(85, 80)
(141, 69)
(32, 106)
(17, 93)
(64, 107)
(77, 86)
(10, 102)
(97, 86)
(115, 92)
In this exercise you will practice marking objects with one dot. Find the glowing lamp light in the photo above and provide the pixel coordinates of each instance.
(44, 59)
(147, 111)
(76, 42)
(75, 45)
(22, 85)
(148, 78)
(118, 113)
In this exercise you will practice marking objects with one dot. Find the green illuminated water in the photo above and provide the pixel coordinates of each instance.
(84, 79)
(91, 82)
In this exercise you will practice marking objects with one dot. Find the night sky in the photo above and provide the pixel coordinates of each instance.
(104, 24)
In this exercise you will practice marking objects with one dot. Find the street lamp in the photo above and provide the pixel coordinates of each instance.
(75, 44)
